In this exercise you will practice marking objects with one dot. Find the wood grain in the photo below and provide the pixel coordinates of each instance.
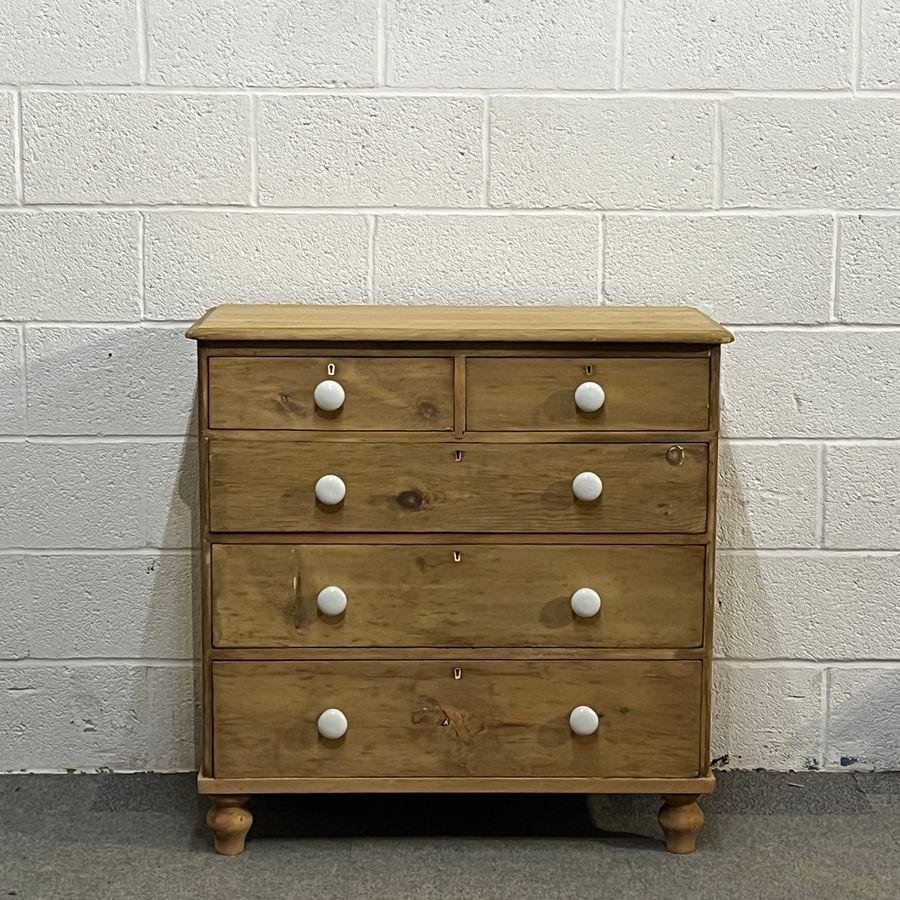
(267, 322)
(382, 394)
(539, 394)
(432, 596)
(417, 719)
(258, 486)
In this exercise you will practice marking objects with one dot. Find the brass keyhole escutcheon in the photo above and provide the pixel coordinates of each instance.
(675, 455)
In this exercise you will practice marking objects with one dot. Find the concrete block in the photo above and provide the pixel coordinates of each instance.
(282, 42)
(119, 381)
(767, 495)
(468, 43)
(862, 497)
(766, 717)
(506, 260)
(369, 151)
(739, 269)
(601, 154)
(198, 260)
(62, 266)
(136, 148)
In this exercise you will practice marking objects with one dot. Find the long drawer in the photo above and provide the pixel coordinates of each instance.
(428, 718)
(481, 595)
(447, 487)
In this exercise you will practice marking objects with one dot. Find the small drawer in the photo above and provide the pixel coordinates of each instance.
(637, 394)
(470, 595)
(419, 718)
(331, 393)
(339, 486)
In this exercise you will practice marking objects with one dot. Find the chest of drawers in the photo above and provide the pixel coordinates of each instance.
(457, 549)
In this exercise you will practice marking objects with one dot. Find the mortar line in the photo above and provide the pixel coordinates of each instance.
(825, 713)
(111, 325)
(381, 50)
(146, 552)
(253, 137)
(486, 153)
(623, 93)
(23, 371)
(98, 439)
(856, 46)
(18, 147)
(619, 51)
(808, 663)
(820, 496)
(499, 212)
(73, 662)
(824, 553)
(141, 242)
(835, 294)
(830, 441)
(143, 40)
(26, 399)
(370, 257)
(601, 261)
(718, 156)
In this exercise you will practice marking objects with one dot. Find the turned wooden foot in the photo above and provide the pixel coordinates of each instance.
(229, 822)
(681, 820)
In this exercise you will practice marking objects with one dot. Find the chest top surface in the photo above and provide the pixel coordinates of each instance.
(546, 324)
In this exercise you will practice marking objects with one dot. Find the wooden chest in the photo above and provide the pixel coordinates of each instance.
(457, 549)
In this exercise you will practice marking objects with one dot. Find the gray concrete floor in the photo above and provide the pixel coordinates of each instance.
(129, 837)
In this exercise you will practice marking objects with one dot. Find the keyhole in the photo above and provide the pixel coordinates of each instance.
(457, 674)
(331, 369)
(457, 455)
(457, 556)
(588, 369)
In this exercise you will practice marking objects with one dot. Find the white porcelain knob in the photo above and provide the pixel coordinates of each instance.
(583, 720)
(589, 396)
(332, 724)
(329, 395)
(332, 601)
(585, 603)
(587, 486)
(331, 490)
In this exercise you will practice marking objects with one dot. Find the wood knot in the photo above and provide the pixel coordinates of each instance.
(427, 410)
(287, 403)
(411, 499)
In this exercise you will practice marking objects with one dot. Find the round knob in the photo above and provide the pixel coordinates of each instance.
(587, 486)
(332, 724)
(585, 603)
(589, 396)
(329, 395)
(582, 720)
(331, 490)
(332, 601)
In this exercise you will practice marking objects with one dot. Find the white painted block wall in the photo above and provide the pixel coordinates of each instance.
(161, 156)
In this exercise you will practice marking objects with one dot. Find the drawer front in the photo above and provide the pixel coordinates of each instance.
(380, 394)
(516, 488)
(481, 595)
(539, 394)
(417, 718)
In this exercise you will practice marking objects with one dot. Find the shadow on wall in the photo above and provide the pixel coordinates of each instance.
(742, 735)
(171, 692)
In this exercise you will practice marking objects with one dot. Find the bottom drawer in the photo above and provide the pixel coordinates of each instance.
(419, 718)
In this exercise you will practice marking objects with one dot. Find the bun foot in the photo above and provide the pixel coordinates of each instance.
(229, 822)
(681, 820)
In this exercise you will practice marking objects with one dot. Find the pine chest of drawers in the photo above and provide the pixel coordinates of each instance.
(457, 549)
